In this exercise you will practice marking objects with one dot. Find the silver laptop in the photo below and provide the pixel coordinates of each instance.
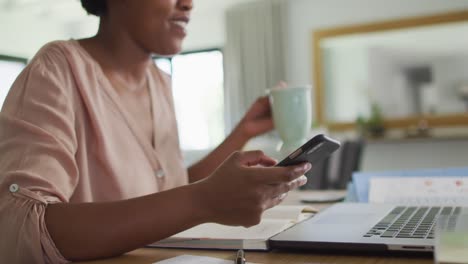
(370, 227)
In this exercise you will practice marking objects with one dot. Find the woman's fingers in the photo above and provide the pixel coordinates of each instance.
(283, 188)
(276, 200)
(280, 191)
(253, 158)
(275, 175)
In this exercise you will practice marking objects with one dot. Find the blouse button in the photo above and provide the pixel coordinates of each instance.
(14, 188)
(159, 173)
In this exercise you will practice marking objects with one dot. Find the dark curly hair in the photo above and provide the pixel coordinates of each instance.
(95, 7)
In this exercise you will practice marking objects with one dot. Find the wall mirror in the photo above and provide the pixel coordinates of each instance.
(413, 69)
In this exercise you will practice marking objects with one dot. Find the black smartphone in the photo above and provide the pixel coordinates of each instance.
(315, 150)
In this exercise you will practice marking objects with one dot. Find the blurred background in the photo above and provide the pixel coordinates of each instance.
(398, 96)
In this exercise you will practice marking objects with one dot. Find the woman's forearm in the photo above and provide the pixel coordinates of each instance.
(97, 230)
(256, 121)
(235, 141)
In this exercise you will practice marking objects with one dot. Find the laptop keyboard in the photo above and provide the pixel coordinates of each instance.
(410, 222)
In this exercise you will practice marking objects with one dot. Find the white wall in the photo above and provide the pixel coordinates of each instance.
(449, 74)
(25, 27)
(207, 24)
(305, 16)
(206, 27)
(414, 154)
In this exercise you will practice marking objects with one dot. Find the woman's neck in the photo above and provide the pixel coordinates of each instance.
(118, 53)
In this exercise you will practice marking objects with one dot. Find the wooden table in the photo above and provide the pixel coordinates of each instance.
(151, 255)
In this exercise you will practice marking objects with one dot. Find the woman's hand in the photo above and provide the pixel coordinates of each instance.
(245, 185)
(257, 120)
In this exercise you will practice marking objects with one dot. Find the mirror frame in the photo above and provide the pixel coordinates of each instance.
(445, 120)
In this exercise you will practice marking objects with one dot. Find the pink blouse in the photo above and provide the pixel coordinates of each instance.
(65, 137)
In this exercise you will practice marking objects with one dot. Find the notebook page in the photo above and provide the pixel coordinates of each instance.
(291, 212)
(266, 229)
(190, 259)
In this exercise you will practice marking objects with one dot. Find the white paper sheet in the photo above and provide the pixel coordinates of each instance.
(419, 190)
(190, 259)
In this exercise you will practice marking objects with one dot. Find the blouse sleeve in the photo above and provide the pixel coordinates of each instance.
(37, 165)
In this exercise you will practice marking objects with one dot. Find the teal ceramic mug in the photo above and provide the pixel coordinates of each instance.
(292, 115)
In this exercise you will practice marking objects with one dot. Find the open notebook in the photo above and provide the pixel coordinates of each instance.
(216, 236)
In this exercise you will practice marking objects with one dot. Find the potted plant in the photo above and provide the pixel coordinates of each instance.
(373, 126)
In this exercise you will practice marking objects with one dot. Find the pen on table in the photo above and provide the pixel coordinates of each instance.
(240, 259)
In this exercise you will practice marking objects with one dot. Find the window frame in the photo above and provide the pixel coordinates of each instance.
(155, 57)
(13, 58)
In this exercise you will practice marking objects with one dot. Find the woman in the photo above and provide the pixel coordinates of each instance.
(91, 165)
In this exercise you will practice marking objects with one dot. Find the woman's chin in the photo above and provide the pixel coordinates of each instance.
(169, 50)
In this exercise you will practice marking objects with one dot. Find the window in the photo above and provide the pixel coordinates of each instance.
(165, 65)
(198, 88)
(10, 68)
